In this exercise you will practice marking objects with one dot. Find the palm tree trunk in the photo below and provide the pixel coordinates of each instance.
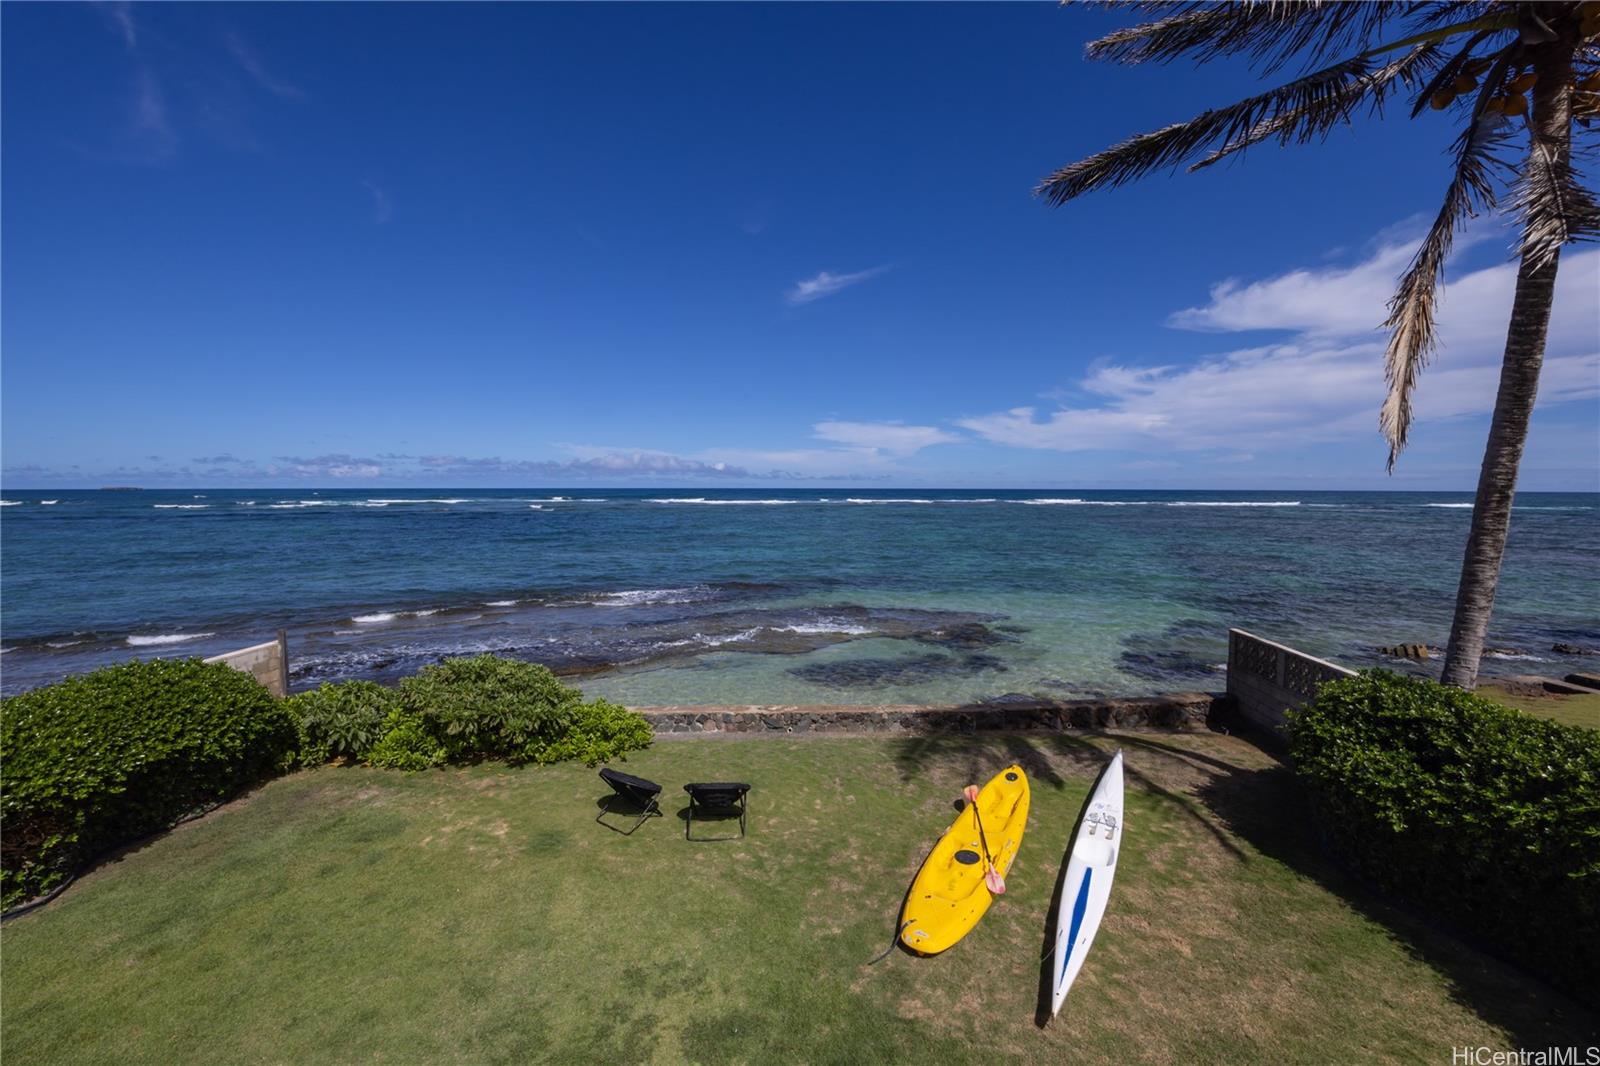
(1513, 405)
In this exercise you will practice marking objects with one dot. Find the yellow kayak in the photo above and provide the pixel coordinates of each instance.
(949, 895)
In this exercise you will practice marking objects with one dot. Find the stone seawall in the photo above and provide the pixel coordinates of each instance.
(1173, 712)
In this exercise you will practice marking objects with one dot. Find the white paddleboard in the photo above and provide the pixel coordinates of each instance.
(1087, 886)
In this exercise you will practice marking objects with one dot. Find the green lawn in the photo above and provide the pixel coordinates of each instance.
(1568, 710)
(480, 915)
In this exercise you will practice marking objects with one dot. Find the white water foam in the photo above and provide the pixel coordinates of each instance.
(64, 643)
(452, 499)
(377, 616)
(717, 642)
(843, 628)
(635, 597)
(166, 638)
(719, 503)
(535, 506)
(863, 499)
(1233, 503)
(501, 603)
(47, 503)
(1515, 655)
(11, 503)
(426, 613)
(180, 506)
(1452, 505)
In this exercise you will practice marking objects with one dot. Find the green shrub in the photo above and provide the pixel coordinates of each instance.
(104, 758)
(341, 720)
(1483, 815)
(406, 744)
(596, 732)
(487, 707)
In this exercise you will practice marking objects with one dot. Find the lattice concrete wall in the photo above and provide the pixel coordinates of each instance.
(1266, 679)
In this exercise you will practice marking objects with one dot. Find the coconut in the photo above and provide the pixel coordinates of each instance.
(1464, 83)
(1523, 82)
(1441, 99)
(1515, 104)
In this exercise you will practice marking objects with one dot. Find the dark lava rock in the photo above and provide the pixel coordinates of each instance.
(1417, 653)
(1572, 649)
(866, 673)
(966, 636)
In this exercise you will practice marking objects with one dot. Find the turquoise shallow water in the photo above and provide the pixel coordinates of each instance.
(700, 596)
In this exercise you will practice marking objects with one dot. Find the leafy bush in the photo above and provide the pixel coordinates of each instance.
(487, 707)
(596, 732)
(341, 720)
(1484, 815)
(407, 744)
(122, 752)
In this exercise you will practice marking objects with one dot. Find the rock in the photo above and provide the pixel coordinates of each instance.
(1415, 652)
(1561, 648)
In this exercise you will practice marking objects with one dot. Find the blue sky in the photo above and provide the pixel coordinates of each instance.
(366, 244)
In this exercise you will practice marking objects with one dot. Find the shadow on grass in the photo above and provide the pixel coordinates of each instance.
(1041, 755)
(1267, 808)
(1264, 807)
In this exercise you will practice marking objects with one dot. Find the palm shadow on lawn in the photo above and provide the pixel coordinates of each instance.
(1267, 808)
(1264, 807)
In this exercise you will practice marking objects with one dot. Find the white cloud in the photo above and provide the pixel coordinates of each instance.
(150, 129)
(1324, 384)
(891, 438)
(382, 206)
(122, 15)
(251, 63)
(1339, 300)
(826, 284)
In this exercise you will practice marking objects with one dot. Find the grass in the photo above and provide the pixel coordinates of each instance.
(479, 915)
(1568, 710)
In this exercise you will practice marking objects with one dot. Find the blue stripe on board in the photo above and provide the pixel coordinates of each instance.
(1077, 920)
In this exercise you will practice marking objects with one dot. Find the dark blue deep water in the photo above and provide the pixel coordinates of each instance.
(832, 596)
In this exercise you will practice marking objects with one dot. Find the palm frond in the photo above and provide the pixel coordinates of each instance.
(1447, 73)
(1555, 206)
(1269, 33)
(1411, 320)
(1319, 100)
(1370, 88)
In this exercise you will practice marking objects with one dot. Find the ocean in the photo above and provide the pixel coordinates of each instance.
(700, 596)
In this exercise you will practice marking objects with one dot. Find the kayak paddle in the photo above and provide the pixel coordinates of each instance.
(991, 875)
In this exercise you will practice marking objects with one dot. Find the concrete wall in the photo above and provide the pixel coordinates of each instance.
(1266, 679)
(1177, 711)
(268, 663)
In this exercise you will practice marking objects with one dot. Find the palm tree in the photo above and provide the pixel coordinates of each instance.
(1479, 60)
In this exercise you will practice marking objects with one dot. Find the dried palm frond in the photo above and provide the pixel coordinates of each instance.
(1319, 101)
(1554, 205)
(1407, 71)
(1412, 310)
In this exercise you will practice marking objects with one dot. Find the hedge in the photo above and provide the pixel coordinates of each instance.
(460, 711)
(107, 757)
(487, 707)
(1481, 814)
